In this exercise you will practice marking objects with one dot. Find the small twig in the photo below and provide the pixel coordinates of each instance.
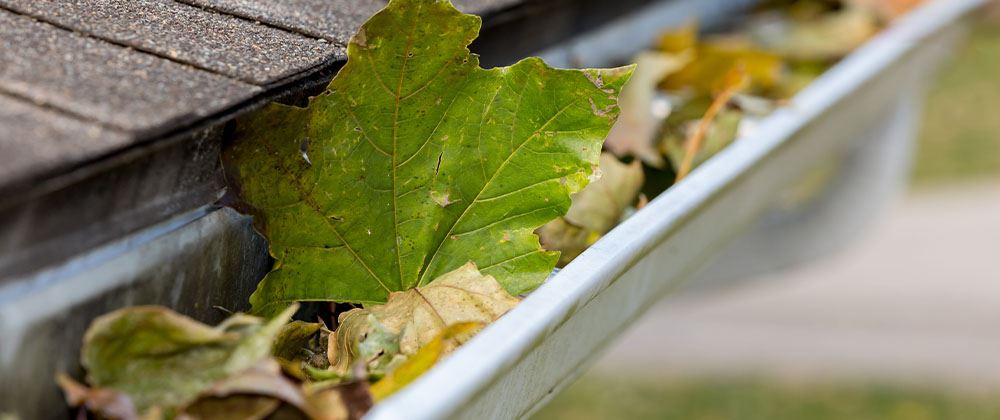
(735, 80)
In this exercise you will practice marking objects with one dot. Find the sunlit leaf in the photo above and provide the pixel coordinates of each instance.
(416, 161)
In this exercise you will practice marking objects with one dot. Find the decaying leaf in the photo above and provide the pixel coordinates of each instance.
(300, 346)
(334, 400)
(416, 161)
(157, 357)
(828, 37)
(707, 72)
(599, 206)
(106, 403)
(595, 210)
(635, 132)
(569, 239)
(362, 337)
(679, 40)
(411, 319)
(424, 359)
(721, 132)
(734, 81)
(252, 394)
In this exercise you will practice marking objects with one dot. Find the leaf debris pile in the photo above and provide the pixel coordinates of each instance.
(693, 94)
(430, 193)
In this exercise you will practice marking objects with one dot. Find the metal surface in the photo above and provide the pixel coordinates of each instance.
(65, 216)
(202, 263)
(859, 185)
(514, 365)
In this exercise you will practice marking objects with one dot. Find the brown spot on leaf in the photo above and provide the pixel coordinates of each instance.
(360, 39)
(595, 78)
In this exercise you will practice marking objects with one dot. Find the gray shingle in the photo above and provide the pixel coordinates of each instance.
(206, 39)
(34, 140)
(335, 20)
(99, 81)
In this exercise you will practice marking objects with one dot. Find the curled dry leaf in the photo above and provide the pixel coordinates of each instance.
(708, 71)
(333, 400)
(721, 132)
(416, 161)
(595, 210)
(678, 40)
(635, 131)
(599, 206)
(425, 358)
(736, 79)
(300, 347)
(411, 319)
(106, 403)
(159, 358)
(569, 239)
(828, 37)
(252, 394)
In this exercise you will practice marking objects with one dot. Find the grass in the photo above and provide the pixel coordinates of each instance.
(960, 138)
(746, 399)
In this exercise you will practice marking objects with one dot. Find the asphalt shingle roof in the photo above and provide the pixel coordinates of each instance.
(129, 71)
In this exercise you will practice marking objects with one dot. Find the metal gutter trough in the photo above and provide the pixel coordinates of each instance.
(514, 366)
(128, 214)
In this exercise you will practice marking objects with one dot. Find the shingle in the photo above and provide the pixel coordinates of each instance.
(117, 86)
(206, 39)
(335, 20)
(34, 140)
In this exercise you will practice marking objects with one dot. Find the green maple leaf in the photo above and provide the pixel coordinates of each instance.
(416, 161)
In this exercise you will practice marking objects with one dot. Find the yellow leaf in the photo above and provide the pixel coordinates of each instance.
(735, 80)
(713, 62)
(678, 40)
(424, 359)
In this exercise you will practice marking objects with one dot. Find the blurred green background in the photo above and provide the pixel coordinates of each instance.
(960, 145)
(722, 399)
(960, 138)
